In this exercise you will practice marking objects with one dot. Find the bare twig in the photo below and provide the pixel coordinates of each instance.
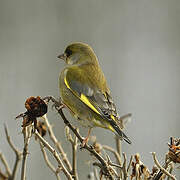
(3, 176)
(27, 134)
(5, 163)
(74, 156)
(95, 174)
(17, 153)
(129, 165)
(57, 143)
(111, 165)
(161, 168)
(74, 144)
(55, 154)
(118, 147)
(51, 167)
(171, 169)
(125, 167)
(116, 154)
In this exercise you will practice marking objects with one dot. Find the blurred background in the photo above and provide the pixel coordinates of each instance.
(138, 46)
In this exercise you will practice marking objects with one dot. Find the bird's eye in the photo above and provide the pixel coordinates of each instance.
(68, 52)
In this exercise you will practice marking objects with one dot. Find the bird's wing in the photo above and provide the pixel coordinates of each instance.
(96, 99)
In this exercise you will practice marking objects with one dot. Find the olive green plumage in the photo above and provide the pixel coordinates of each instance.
(84, 90)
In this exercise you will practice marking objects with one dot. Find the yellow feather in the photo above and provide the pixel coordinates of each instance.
(112, 117)
(83, 98)
(111, 128)
(86, 101)
(66, 83)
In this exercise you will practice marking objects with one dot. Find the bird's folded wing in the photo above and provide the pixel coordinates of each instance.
(96, 99)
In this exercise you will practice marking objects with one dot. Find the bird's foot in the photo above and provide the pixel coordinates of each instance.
(85, 141)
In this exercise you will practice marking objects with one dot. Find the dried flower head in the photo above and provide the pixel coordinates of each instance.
(139, 169)
(36, 107)
(174, 150)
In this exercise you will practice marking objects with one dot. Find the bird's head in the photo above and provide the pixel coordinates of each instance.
(78, 53)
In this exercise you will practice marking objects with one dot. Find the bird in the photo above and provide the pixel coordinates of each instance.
(85, 93)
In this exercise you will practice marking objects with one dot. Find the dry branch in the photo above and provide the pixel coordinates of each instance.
(27, 134)
(57, 143)
(55, 154)
(5, 163)
(51, 167)
(17, 153)
(161, 168)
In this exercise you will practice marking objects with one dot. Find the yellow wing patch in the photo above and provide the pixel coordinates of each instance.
(112, 117)
(83, 98)
(87, 102)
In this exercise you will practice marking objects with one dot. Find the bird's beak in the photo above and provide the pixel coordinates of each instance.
(62, 56)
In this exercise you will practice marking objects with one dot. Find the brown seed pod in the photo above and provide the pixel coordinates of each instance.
(35, 106)
(174, 150)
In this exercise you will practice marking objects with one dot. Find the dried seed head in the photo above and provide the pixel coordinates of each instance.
(174, 157)
(35, 106)
(174, 150)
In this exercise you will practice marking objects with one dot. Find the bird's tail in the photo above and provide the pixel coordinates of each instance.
(119, 131)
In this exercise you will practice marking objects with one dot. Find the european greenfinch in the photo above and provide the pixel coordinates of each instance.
(84, 90)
